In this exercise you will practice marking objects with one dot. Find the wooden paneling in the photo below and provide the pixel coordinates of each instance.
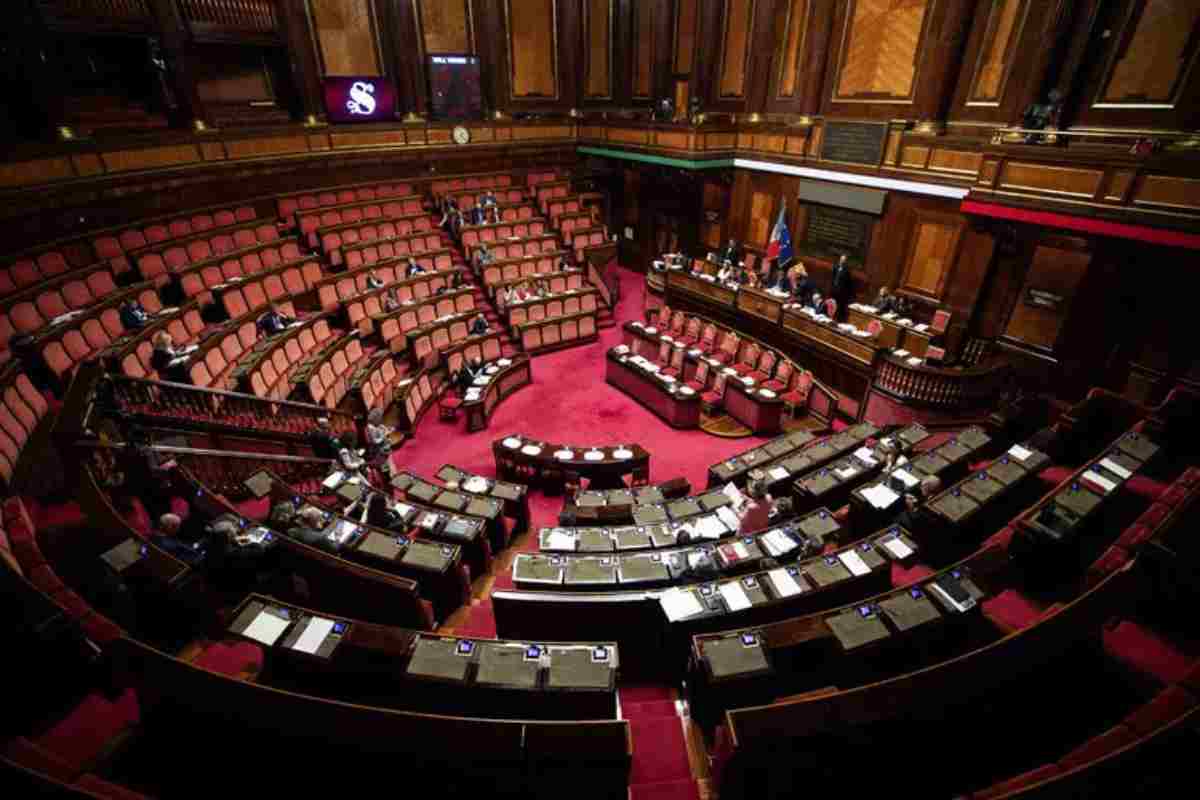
(1157, 46)
(643, 49)
(368, 138)
(1163, 190)
(738, 26)
(687, 23)
(446, 26)
(758, 230)
(794, 42)
(1054, 270)
(1005, 23)
(879, 50)
(598, 22)
(150, 158)
(1065, 181)
(267, 146)
(345, 35)
(932, 255)
(28, 173)
(956, 161)
(532, 48)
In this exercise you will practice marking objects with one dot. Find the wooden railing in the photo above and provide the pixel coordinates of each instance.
(605, 282)
(947, 389)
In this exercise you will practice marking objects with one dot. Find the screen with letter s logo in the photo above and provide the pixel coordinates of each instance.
(359, 99)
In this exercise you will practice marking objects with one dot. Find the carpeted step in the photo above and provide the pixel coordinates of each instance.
(659, 751)
(665, 790)
(644, 692)
(651, 710)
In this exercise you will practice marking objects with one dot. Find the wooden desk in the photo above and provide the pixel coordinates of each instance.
(514, 496)
(508, 378)
(892, 334)
(519, 455)
(447, 515)
(675, 404)
(760, 410)
(735, 468)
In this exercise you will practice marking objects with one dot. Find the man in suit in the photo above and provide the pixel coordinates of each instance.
(731, 253)
(324, 444)
(466, 375)
(802, 285)
(841, 289)
(309, 528)
(479, 325)
(910, 519)
(167, 536)
(273, 322)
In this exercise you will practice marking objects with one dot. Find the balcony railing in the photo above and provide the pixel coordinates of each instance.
(944, 389)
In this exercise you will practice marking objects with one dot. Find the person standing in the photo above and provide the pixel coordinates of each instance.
(841, 289)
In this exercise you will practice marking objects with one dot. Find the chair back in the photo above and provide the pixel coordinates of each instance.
(941, 320)
(831, 308)
(875, 327)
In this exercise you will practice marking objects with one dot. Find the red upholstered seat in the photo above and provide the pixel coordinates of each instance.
(1153, 516)
(235, 659)
(1098, 746)
(1029, 778)
(1169, 704)
(1011, 610)
(1109, 562)
(1002, 538)
(1145, 652)
(1135, 536)
(1147, 487)
(91, 728)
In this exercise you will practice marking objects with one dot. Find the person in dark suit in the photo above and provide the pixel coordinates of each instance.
(167, 361)
(782, 282)
(374, 281)
(168, 537)
(910, 518)
(309, 528)
(233, 561)
(324, 444)
(479, 325)
(802, 286)
(413, 268)
(133, 315)
(841, 288)
(477, 215)
(273, 322)
(380, 515)
(731, 253)
(466, 375)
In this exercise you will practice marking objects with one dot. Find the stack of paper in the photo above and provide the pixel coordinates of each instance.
(560, 540)
(709, 527)
(777, 542)
(735, 596)
(1019, 453)
(846, 473)
(334, 480)
(778, 473)
(740, 549)
(785, 585)
(265, 628)
(314, 634)
(679, 604)
(1115, 468)
(1096, 479)
(914, 362)
(880, 496)
(906, 477)
(900, 353)
(898, 548)
(866, 455)
(735, 495)
(729, 518)
(854, 563)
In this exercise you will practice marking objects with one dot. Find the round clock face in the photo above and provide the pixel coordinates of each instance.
(461, 135)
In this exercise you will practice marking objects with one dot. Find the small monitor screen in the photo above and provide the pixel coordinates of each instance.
(455, 87)
(367, 99)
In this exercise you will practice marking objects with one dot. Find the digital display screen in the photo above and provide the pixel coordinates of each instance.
(366, 99)
(455, 87)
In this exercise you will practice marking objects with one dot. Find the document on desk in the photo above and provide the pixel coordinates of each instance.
(734, 495)
(710, 527)
(1115, 468)
(1019, 453)
(314, 634)
(854, 563)
(777, 542)
(560, 540)
(906, 477)
(344, 530)
(898, 548)
(266, 628)
(679, 604)
(778, 473)
(785, 585)
(334, 480)
(729, 518)
(846, 473)
(1098, 480)
(866, 455)
(880, 496)
(735, 596)
(741, 550)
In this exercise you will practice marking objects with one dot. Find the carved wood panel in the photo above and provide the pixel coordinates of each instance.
(345, 36)
(445, 26)
(597, 36)
(643, 49)
(792, 55)
(257, 16)
(532, 48)
(931, 255)
(998, 51)
(738, 27)
(1155, 50)
(880, 46)
(687, 22)
(758, 228)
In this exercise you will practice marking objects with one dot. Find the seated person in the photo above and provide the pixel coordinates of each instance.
(483, 255)
(728, 273)
(273, 322)
(503, 298)
(522, 292)
(167, 536)
(477, 215)
(489, 199)
(802, 285)
(379, 436)
(381, 515)
(700, 565)
(324, 444)
(731, 254)
(413, 268)
(454, 279)
(470, 370)
(782, 281)
(750, 279)
(884, 300)
(542, 288)
(374, 281)
(133, 315)
(348, 457)
(564, 263)
(479, 325)
(910, 518)
(391, 302)
(449, 207)
(309, 527)
(817, 303)
(167, 361)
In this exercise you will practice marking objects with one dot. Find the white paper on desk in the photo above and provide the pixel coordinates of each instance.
(898, 548)
(778, 473)
(785, 585)
(314, 633)
(735, 596)
(1093, 477)
(1019, 453)
(1115, 468)
(265, 628)
(854, 563)
(922, 327)
(560, 540)
(401, 508)
(710, 527)
(729, 518)
(335, 479)
(900, 353)
(880, 496)
(846, 473)
(889, 315)
(345, 529)
(735, 496)
(679, 604)
(866, 455)
(914, 361)
(741, 550)
(906, 477)
(777, 542)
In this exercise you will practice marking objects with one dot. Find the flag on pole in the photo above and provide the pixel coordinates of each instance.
(780, 246)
